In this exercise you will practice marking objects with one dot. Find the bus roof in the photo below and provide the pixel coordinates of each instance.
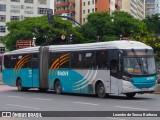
(120, 44)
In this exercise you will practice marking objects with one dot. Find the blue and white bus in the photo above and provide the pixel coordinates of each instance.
(102, 68)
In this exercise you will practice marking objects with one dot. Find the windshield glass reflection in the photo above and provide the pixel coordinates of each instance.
(139, 65)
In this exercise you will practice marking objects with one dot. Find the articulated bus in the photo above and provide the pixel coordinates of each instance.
(102, 68)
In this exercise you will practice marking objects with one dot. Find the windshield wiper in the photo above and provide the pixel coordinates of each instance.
(138, 60)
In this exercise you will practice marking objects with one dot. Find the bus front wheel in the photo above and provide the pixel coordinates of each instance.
(130, 95)
(58, 88)
(100, 90)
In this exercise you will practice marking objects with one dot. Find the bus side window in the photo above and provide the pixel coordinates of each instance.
(7, 61)
(89, 60)
(13, 61)
(101, 59)
(114, 66)
(35, 60)
(76, 60)
(25, 63)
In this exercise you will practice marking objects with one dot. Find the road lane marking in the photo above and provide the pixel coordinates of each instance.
(130, 108)
(22, 106)
(85, 103)
(136, 101)
(41, 99)
(15, 96)
(115, 118)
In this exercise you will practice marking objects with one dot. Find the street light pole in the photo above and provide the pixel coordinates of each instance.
(34, 41)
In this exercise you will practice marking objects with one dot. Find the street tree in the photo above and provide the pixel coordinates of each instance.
(39, 27)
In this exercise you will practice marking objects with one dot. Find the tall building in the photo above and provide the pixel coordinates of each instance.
(79, 9)
(126, 5)
(138, 8)
(157, 6)
(11, 10)
(135, 7)
(149, 7)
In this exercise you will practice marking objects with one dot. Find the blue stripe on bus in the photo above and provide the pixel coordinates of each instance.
(144, 82)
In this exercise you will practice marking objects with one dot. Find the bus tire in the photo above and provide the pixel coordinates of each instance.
(19, 86)
(100, 90)
(58, 87)
(130, 95)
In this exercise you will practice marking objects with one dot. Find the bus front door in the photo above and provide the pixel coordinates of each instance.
(114, 77)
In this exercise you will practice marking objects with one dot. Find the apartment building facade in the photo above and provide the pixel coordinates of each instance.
(138, 8)
(79, 9)
(157, 6)
(149, 7)
(11, 10)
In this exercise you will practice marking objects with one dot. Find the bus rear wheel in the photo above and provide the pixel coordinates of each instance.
(100, 90)
(130, 95)
(58, 88)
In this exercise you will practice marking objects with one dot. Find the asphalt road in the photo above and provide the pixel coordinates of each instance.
(33, 100)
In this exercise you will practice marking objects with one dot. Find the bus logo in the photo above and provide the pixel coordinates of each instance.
(62, 73)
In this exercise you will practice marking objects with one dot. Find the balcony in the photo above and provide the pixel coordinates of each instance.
(71, 9)
(62, 4)
(61, 11)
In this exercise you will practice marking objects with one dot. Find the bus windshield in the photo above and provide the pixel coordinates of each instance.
(139, 65)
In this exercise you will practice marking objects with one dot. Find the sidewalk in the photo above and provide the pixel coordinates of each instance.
(1, 83)
(157, 91)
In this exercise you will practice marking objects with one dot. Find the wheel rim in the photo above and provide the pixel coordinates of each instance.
(101, 90)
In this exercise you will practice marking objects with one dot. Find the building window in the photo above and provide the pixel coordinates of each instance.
(2, 7)
(88, 2)
(84, 19)
(93, 10)
(88, 10)
(2, 49)
(28, 10)
(83, 11)
(14, 18)
(84, 3)
(2, 18)
(42, 10)
(28, 1)
(1, 38)
(2, 29)
(15, 9)
(92, 1)
(42, 2)
(15, 0)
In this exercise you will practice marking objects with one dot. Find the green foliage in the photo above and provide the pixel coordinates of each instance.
(25, 30)
(112, 26)
(108, 26)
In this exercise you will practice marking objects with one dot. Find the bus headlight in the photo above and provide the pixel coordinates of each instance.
(127, 78)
